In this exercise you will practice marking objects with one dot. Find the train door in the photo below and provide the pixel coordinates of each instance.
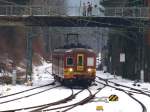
(80, 62)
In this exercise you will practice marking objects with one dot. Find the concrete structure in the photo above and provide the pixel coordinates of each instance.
(134, 44)
(147, 49)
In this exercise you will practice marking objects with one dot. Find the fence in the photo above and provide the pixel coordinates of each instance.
(22, 10)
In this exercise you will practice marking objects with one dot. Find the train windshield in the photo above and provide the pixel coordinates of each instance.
(69, 61)
(90, 61)
(80, 60)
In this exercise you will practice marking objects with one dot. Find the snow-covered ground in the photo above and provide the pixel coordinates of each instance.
(41, 77)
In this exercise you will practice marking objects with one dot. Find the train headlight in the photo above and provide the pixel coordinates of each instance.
(89, 69)
(70, 69)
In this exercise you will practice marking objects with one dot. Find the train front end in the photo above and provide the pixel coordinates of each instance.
(80, 66)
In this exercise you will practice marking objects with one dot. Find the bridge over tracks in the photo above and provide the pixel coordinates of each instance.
(72, 16)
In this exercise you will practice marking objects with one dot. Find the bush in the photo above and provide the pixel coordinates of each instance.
(6, 79)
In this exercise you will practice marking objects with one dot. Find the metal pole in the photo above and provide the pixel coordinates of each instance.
(29, 54)
(142, 59)
(14, 77)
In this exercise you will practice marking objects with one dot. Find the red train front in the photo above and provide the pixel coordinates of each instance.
(74, 66)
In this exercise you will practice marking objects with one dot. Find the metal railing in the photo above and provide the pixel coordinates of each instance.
(21, 10)
(142, 12)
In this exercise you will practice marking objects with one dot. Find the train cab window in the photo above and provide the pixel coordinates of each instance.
(90, 61)
(69, 61)
(80, 60)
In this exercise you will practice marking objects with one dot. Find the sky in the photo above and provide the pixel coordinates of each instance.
(75, 7)
(77, 2)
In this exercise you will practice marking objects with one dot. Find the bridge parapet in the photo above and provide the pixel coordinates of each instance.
(22, 10)
(132, 12)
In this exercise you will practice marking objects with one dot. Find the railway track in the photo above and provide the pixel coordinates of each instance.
(39, 108)
(67, 103)
(27, 90)
(31, 107)
(60, 107)
(67, 107)
(29, 95)
(38, 87)
(129, 92)
(71, 97)
(84, 101)
(116, 84)
(26, 94)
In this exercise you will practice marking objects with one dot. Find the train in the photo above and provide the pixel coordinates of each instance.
(74, 66)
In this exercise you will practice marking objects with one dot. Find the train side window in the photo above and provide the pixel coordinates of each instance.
(90, 61)
(69, 61)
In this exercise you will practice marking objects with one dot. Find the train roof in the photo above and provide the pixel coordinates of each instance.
(73, 45)
(73, 50)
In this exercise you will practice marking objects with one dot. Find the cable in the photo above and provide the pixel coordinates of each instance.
(121, 33)
(131, 2)
(5, 1)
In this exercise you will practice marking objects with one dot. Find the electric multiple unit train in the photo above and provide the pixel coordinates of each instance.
(74, 66)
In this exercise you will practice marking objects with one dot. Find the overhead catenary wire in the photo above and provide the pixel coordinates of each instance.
(5, 1)
(127, 2)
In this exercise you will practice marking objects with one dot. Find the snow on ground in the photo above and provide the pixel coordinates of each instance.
(10, 89)
(41, 77)
(126, 82)
(39, 99)
(122, 105)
